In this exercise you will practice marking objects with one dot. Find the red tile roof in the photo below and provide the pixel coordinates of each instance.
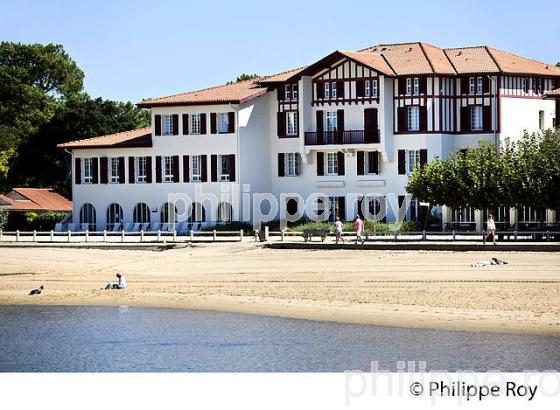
(141, 137)
(553, 93)
(281, 77)
(35, 199)
(235, 93)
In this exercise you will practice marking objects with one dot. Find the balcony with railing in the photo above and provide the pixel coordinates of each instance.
(342, 137)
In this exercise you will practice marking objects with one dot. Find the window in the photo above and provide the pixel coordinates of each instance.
(167, 169)
(292, 207)
(332, 163)
(334, 208)
(416, 85)
(196, 168)
(527, 214)
(114, 216)
(291, 164)
(114, 170)
(198, 213)
(88, 171)
(408, 86)
(195, 124)
(371, 162)
(140, 167)
(463, 215)
(541, 120)
(375, 89)
(291, 123)
(537, 85)
(333, 90)
(525, 85)
(224, 213)
(141, 214)
(223, 123)
(479, 85)
(87, 216)
(223, 167)
(327, 91)
(288, 92)
(168, 213)
(294, 92)
(330, 121)
(367, 88)
(476, 118)
(413, 211)
(471, 85)
(412, 159)
(167, 125)
(413, 118)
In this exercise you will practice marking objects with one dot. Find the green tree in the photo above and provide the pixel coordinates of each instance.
(244, 77)
(34, 78)
(39, 163)
(3, 217)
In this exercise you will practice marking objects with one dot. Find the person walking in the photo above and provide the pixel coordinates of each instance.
(338, 230)
(490, 230)
(359, 227)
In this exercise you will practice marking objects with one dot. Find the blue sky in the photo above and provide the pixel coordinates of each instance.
(130, 50)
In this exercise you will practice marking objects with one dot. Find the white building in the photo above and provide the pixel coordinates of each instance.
(350, 123)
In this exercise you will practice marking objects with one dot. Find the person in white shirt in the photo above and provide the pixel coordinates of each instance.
(120, 285)
(490, 230)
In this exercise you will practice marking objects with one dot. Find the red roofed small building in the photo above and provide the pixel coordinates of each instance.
(351, 126)
(35, 199)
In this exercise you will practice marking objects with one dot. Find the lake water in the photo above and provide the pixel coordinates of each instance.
(119, 339)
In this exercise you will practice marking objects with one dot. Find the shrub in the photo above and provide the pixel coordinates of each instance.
(3, 218)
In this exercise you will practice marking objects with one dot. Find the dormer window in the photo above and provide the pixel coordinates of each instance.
(408, 86)
(327, 91)
(333, 90)
(416, 85)
(367, 88)
(472, 85)
(288, 92)
(375, 90)
(479, 85)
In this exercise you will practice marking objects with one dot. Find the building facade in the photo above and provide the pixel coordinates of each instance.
(350, 126)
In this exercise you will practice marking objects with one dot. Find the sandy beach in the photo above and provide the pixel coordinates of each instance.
(396, 288)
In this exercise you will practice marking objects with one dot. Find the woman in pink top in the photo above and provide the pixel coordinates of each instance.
(338, 230)
(359, 227)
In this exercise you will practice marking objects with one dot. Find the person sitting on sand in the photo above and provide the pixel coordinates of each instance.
(491, 261)
(359, 227)
(338, 230)
(120, 285)
(37, 291)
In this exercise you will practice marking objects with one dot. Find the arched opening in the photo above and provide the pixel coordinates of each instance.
(225, 212)
(198, 214)
(141, 214)
(168, 213)
(114, 216)
(87, 216)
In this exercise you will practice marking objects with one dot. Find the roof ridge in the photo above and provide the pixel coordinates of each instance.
(427, 58)
(461, 48)
(487, 48)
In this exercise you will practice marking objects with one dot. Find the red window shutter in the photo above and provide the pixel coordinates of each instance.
(175, 168)
(360, 162)
(465, 85)
(232, 167)
(340, 157)
(104, 170)
(340, 89)
(231, 122)
(149, 170)
(342, 208)
(203, 168)
(281, 126)
(213, 123)
(402, 85)
(423, 118)
(320, 90)
(371, 125)
(185, 124)
(95, 170)
(487, 118)
(186, 168)
(77, 171)
(423, 157)
(213, 168)
(203, 123)
(340, 126)
(360, 88)
(486, 85)
(158, 124)
(175, 124)
(319, 121)
(402, 162)
(466, 119)
(122, 177)
(131, 171)
(281, 165)
(403, 119)
(158, 169)
(320, 163)
(375, 159)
